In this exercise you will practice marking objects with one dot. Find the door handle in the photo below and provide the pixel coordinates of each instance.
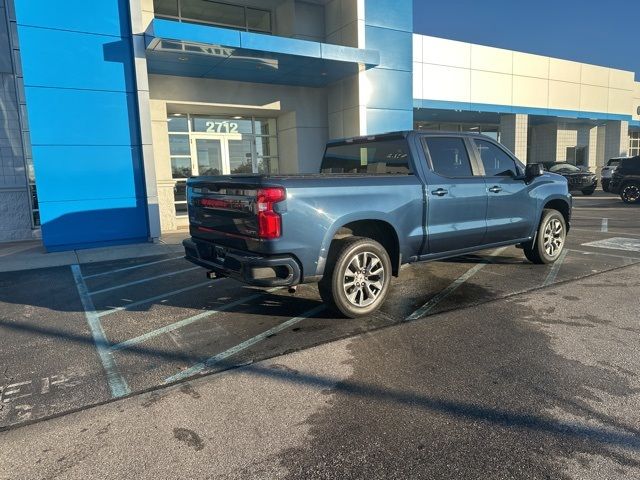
(495, 189)
(441, 192)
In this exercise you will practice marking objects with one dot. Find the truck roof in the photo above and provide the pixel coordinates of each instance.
(398, 134)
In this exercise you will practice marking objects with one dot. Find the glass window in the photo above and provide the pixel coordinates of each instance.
(258, 20)
(561, 167)
(212, 12)
(181, 167)
(266, 126)
(166, 7)
(178, 123)
(267, 166)
(240, 156)
(267, 146)
(180, 195)
(375, 157)
(496, 162)
(179, 145)
(449, 156)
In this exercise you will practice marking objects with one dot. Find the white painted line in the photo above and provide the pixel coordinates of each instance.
(86, 277)
(585, 252)
(616, 243)
(605, 225)
(207, 364)
(131, 305)
(596, 231)
(117, 383)
(183, 323)
(427, 307)
(144, 280)
(551, 277)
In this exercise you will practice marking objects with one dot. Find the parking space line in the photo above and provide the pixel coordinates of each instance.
(212, 361)
(551, 277)
(144, 280)
(427, 307)
(183, 323)
(611, 232)
(131, 305)
(585, 252)
(117, 383)
(110, 272)
(605, 225)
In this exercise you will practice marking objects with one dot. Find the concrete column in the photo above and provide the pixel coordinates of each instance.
(593, 148)
(514, 132)
(616, 142)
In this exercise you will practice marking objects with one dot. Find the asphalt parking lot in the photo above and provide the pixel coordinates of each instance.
(77, 336)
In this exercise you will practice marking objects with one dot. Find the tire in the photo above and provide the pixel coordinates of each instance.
(588, 191)
(630, 192)
(605, 186)
(550, 239)
(352, 292)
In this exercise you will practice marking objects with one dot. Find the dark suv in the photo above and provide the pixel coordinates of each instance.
(626, 180)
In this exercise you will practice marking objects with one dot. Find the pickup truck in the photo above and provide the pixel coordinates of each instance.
(378, 202)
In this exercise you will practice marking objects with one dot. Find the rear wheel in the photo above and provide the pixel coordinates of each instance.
(549, 241)
(630, 192)
(357, 277)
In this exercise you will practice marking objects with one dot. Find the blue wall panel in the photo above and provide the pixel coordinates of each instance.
(109, 172)
(106, 17)
(60, 116)
(83, 116)
(389, 29)
(106, 61)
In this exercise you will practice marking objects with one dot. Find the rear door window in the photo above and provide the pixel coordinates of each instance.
(449, 156)
(375, 157)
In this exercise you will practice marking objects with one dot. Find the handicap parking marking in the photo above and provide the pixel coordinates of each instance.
(616, 243)
(211, 362)
(133, 267)
(117, 384)
(143, 280)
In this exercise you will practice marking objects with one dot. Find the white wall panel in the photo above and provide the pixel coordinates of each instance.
(619, 101)
(446, 83)
(564, 95)
(440, 51)
(594, 75)
(489, 87)
(529, 65)
(594, 99)
(532, 92)
(491, 59)
(564, 70)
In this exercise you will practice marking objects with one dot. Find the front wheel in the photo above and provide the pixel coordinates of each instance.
(357, 277)
(630, 192)
(588, 191)
(549, 241)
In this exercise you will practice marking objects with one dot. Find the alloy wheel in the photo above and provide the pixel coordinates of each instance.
(631, 193)
(553, 237)
(363, 279)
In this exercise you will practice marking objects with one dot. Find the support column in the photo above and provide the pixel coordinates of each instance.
(616, 139)
(513, 134)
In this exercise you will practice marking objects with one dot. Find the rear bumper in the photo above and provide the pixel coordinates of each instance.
(246, 267)
(583, 186)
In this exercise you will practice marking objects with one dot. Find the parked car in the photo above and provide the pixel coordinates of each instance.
(577, 179)
(607, 171)
(378, 202)
(626, 180)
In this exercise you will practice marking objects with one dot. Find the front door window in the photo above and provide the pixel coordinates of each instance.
(207, 145)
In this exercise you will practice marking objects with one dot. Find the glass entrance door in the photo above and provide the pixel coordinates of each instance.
(209, 156)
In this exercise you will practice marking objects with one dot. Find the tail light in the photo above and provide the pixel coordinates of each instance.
(269, 221)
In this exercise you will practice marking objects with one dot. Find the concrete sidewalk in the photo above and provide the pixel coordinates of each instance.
(31, 255)
(539, 385)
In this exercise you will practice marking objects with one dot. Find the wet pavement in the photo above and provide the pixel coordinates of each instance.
(78, 336)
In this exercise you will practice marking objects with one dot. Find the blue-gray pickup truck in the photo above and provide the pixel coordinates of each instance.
(378, 202)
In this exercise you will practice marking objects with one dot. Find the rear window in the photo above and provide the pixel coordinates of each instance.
(630, 163)
(614, 162)
(382, 157)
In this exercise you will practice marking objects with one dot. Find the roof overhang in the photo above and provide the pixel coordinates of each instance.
(184, 49)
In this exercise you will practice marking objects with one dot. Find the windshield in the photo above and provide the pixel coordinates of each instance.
(375, 157)
(613, 163)
(563, 168)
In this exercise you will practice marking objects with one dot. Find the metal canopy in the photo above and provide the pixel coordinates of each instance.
(202, 51)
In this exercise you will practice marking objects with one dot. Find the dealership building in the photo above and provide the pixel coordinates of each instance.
(107, 107)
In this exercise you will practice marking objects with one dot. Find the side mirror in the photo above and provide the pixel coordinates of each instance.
(532, 170)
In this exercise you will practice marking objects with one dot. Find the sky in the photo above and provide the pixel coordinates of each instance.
(602, 32)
